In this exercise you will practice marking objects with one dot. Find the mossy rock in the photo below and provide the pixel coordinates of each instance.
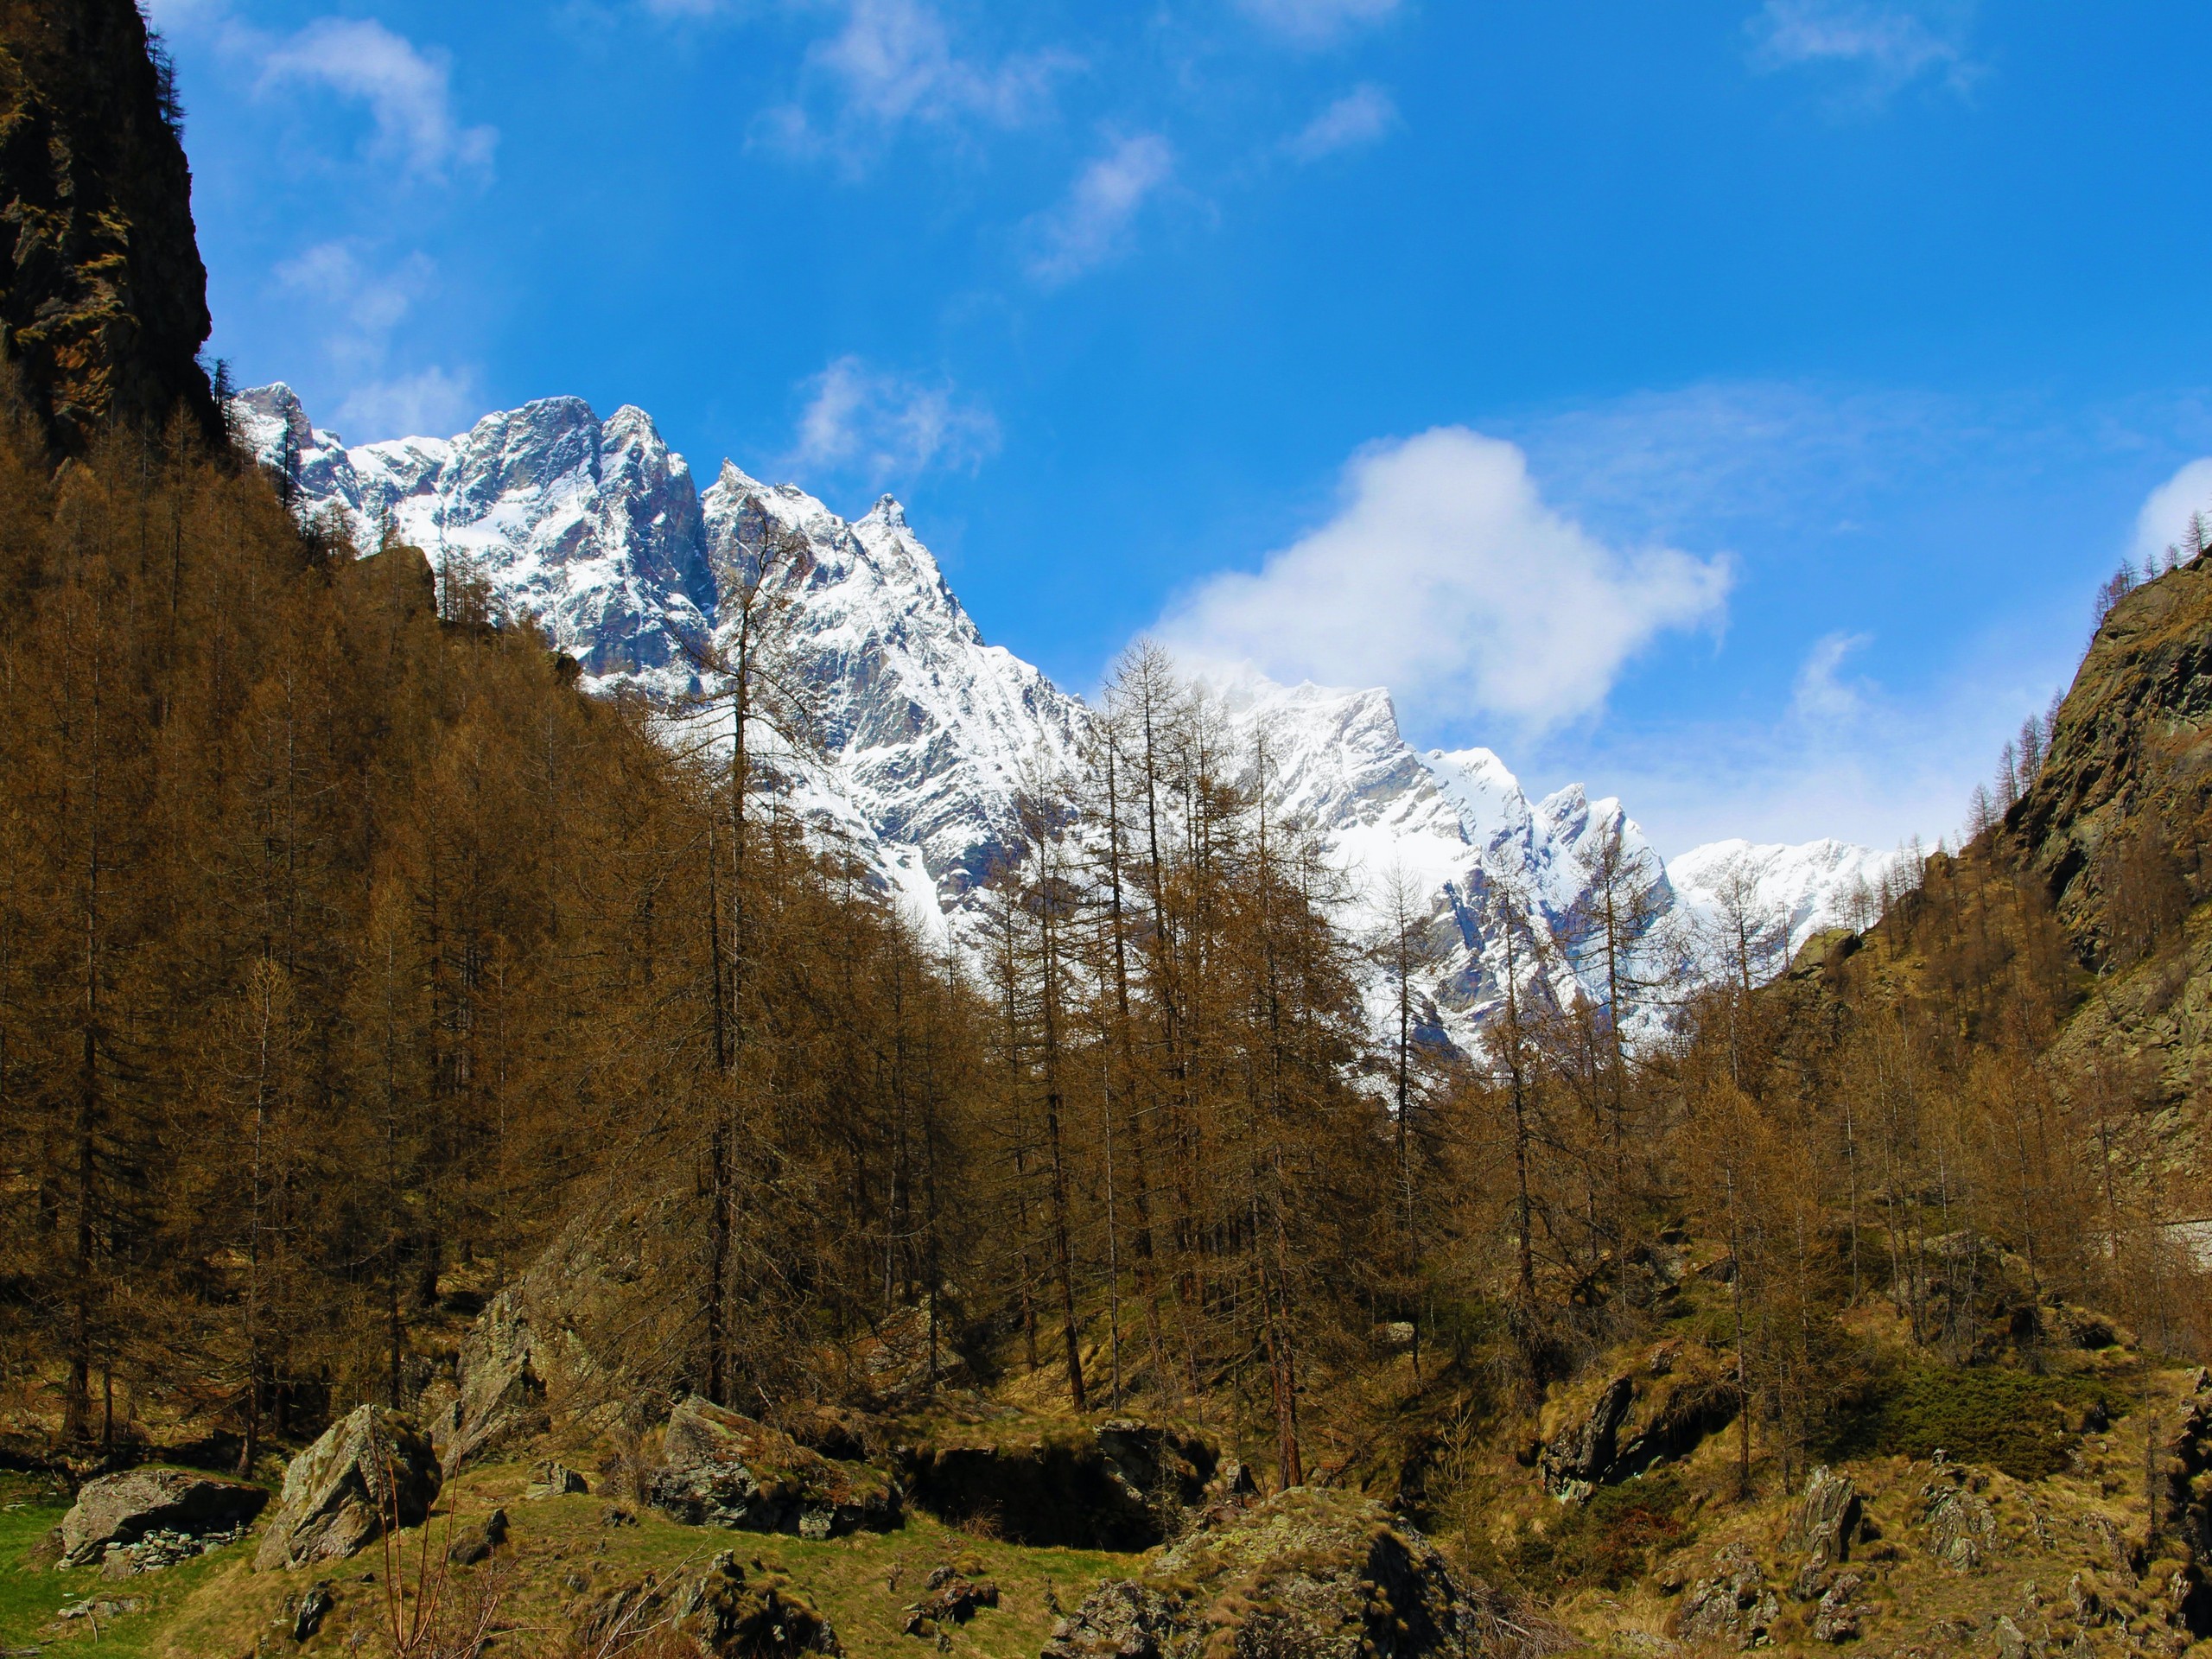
(1325, 1575)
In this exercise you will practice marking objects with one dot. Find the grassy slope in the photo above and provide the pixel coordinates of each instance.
(219, 1605)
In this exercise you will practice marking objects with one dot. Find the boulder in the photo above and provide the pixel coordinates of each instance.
(480, 1541)
(314, 1608)
(726, 1469)
(1124, 1619)
(556, 1348)
(344, 1489)
(903, 1360)
(1121, 1485)
(122, 1510)
(500, 1392)
(1733, 1606)
(1320, 1574)
(719, 1612)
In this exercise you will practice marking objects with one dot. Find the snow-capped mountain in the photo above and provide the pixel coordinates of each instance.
(597, 527)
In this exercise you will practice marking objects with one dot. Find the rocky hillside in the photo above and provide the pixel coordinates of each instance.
(103, 297)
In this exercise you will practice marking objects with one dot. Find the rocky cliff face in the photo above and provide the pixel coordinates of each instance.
(104, 306)
(930, 736)
(2116, 821)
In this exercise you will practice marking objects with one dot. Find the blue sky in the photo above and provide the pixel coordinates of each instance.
(1732, 403)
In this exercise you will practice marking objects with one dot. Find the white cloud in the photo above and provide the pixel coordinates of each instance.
(1890, 45)
(2165, 519)
(1445, 576)
(1360, 117)
(1821, 693)
(894, 63)
(1089, 226)
(408, 90)
(1315, 22)
(430, 403)
(861, 420)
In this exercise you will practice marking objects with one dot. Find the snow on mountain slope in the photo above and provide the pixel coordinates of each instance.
(929, 735)
(1800, 890)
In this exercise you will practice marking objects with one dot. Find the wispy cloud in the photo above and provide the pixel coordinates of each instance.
(1821, 693)
(1845, 755)
(1445, 576)
(361, 305)
(1360, 117)
(408, 90)
(1091, 224)
(1885, 45)
(884, 426)
(1315, 22)
(429, 403)
(893, 64)
(367, 303)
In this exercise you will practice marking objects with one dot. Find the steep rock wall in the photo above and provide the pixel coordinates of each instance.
(104, 304)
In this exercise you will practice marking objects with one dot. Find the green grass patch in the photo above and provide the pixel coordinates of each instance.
(32, 1591)
(2026, 1425)
(1608, 1542)
(28, 1510)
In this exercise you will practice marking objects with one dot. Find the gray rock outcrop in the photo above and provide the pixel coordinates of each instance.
(368, 1469)
(1733, 1606)
(1823, 1528)
(1572, 1464)
(1962, 1527)
(722, 1611)
(1837, 1618)
(1637, 1420)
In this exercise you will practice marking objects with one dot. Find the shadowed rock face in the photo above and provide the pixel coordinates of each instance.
(1123, 1485)
(104, 306)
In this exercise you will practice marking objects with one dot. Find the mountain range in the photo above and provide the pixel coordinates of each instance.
(599, 530)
